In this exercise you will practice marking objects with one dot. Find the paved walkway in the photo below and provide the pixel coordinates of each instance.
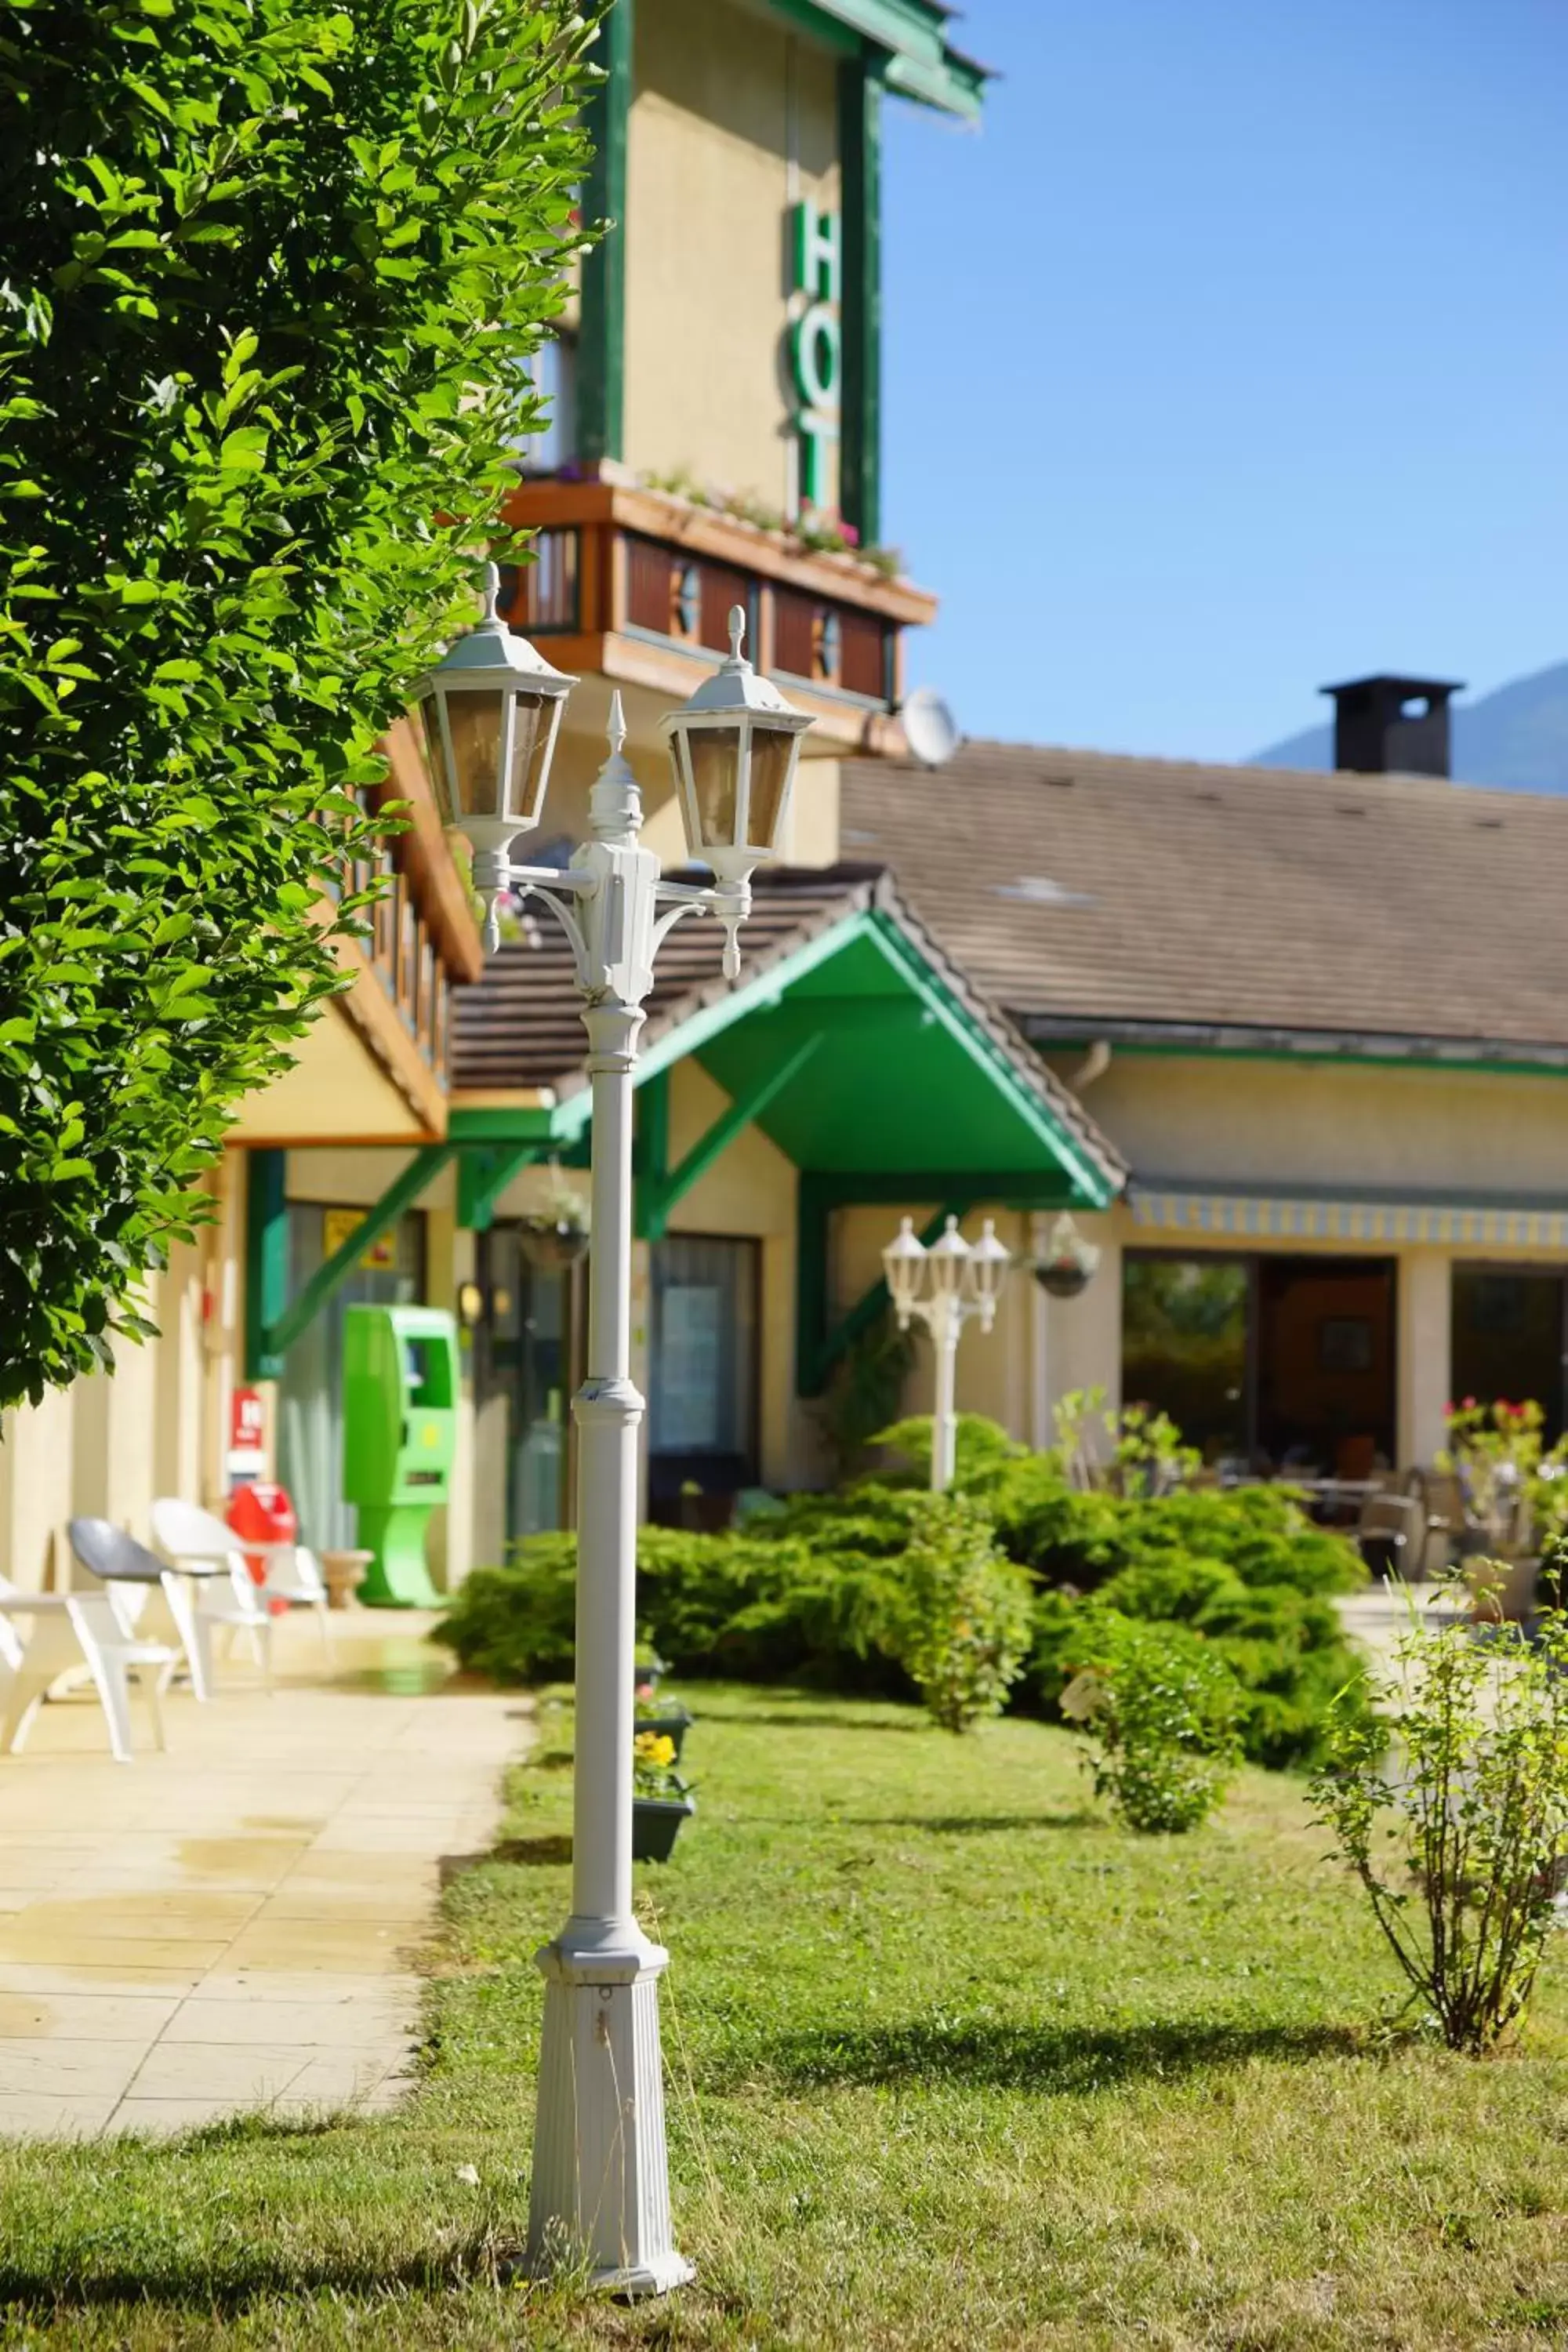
(231, 1924)
(1379, 1618)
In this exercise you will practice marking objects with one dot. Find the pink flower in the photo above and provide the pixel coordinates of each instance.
(848, 534)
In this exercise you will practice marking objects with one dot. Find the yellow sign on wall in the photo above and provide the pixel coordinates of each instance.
(339, 1225)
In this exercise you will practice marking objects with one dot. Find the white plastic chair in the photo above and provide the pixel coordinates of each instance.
(225, 1599)
(294, 1574)
(78, 1636)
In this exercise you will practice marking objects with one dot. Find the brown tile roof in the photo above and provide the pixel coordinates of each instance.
(519, 1027)
(1089, 890)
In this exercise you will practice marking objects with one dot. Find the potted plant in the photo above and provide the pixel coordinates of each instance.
(1069, 1263)
(1494, 1451)
(669, 1716)
(661, 1800)
(554, 1235)
(648, 1670)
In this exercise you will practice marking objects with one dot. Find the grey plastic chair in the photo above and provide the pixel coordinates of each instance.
(107, 1551)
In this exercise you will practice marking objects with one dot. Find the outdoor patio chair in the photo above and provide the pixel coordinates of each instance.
(1391, 1536)
(224, 1598)
(293, 1574)
(80, 1637)
(137, 1575)
(1441, 1499)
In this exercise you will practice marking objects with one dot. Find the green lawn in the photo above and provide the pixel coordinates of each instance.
(953, 2064)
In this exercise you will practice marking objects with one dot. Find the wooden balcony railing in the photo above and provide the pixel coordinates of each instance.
(636, 584)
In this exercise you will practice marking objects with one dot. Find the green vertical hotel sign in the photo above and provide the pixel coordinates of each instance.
(816, 346)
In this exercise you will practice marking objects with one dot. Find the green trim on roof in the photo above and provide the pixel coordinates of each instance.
(916, 59)
(1322, 1057)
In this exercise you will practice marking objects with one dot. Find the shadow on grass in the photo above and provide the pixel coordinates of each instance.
(530, 1853)
(971, 1825)
(51, 2289)
(1040, 2057)
(809, 1715)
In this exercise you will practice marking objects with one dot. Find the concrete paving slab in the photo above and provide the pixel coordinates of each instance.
(230, 1925)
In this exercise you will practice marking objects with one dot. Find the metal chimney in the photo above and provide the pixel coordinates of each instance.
(1392, 726)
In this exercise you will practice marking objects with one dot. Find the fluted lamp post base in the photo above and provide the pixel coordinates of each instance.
(600, 2190)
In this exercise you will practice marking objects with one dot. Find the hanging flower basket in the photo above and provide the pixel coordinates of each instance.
(551, 1244)
(1069, 1263)
(553, 1233)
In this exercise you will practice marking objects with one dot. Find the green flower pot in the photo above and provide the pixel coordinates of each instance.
(655, 1825)
(674, 1721)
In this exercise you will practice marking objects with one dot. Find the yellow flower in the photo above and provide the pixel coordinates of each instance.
(655, 1747)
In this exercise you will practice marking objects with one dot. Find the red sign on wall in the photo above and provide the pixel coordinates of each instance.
(246, 1422)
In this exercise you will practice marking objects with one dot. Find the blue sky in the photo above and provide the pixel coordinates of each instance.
(1230, 357)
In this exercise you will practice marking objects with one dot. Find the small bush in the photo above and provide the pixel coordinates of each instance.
(1460, 1834)
(1160, 1706)
(959, 1619)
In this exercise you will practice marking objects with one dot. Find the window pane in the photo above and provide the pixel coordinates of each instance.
(1184, 1346)
(702, 1373)
(1508, 1339)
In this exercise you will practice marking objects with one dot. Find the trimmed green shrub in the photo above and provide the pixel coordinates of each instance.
(1286, 1649)
(750, 1607)
(814, 1592)
(1159, 1709)
(981, 1448)
(960, 1618)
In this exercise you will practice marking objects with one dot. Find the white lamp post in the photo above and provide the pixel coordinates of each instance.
(944, 1286)
(492, 709)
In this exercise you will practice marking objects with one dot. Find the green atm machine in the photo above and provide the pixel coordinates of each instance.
(400, 1422)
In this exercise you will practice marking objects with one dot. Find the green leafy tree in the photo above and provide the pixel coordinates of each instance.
(271, 271)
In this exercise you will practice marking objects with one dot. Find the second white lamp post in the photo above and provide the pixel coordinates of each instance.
(943, 1287)
(491, 711)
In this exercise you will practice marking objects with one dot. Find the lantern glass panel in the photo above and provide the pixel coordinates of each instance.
(770, 749)
(474, 719)
(716, 780)
(530, 743)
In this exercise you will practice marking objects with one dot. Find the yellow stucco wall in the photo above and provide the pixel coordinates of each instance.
(734, 119)
(104, 1447)
(1238, 1121)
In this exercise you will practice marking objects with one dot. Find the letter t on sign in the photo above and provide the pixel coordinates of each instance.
(818, 252)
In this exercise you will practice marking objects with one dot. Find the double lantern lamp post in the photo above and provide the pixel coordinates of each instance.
(493, 711)
(943, 1288)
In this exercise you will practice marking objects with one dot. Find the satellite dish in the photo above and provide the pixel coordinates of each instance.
(930, 728)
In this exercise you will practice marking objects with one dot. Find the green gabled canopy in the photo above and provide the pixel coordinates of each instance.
(851, 1039)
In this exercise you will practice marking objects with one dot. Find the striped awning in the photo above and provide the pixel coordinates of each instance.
(1267, 1217)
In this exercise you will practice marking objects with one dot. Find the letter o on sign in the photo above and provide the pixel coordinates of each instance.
(817, 355)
